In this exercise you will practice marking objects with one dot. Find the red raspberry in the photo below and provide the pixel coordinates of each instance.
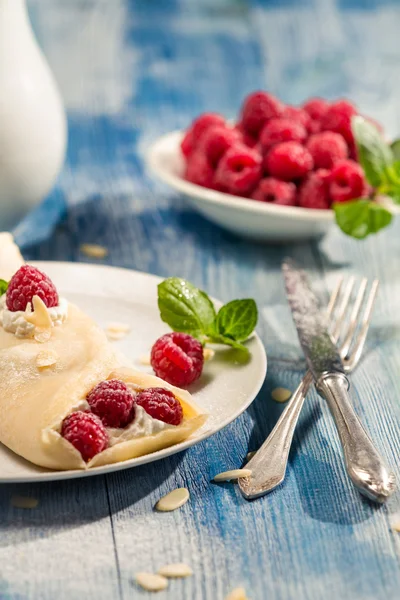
(177, 358)
(277, 131)
(247, 138)
(199, 169)
(273, 190)
(86, 432)
(198, 127)
(239, 170)
(314, 191)
(316, 108)
(161, 404)
(112, 402)
(26, 283)
(288, 161)
(327, 148)
(338, 119)
(347, 181)
(258, 108)
(298, 115)
(216, 141)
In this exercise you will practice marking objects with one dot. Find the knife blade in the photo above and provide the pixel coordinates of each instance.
(366, 469)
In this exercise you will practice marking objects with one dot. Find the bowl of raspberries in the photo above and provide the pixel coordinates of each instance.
(272, 175)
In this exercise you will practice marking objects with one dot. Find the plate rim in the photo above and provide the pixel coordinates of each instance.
(49, 475)
(220, 198)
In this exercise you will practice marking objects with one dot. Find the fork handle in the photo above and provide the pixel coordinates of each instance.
(365, 467)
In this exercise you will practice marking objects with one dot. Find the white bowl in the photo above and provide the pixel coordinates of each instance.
(256, 220)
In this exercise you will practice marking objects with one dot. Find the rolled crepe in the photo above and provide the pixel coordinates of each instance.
(35, 400)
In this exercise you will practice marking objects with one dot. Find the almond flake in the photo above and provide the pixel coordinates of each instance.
(118, 327)
(175, 570)
(208, 354)
(24, 502)
(395, 522)
(46, 358)
(237, 594)
(173, 500)
(151, 582)
(144, 359)
(42, 335)
(250, 455)
(94, 250)
(40, 316)
(232, 475)
(281, 394)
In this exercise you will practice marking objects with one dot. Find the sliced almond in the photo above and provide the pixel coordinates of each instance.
(94, 250)
(145, 359)
(40, 317)
(238, 593)
(151, 582)
(115, 335)
(42, 335)
(173, 500)
(46, 358)
(232, 475)
(208, 354)
(280, 394)
(24, 502)
(395, 522)
(175, 570)
(118, 327)
(250, 455)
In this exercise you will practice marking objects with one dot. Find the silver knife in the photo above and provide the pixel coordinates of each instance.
(365, 467)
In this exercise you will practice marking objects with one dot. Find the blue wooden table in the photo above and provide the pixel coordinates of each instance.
(130, 71)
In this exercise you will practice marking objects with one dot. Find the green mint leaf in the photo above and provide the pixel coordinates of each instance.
(221, 339)
(361, 217)
(3, 286)
(237, 319)
(395, 146)
(184, 307)
(374, 153)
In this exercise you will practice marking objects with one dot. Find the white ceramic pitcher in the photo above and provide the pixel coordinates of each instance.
(32, 118)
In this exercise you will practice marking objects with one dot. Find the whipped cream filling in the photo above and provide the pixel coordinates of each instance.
(15, 322)
(143, 424)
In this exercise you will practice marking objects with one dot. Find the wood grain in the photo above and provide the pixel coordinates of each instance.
(130, 71)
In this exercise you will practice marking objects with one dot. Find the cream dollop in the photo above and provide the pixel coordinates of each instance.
(142, 424)
(15, 322)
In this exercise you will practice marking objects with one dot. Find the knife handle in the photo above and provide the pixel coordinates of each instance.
(365, 467)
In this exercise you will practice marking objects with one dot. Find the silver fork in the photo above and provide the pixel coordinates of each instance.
(269, 464)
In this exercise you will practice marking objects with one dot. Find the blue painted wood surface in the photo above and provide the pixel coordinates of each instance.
(130, 71)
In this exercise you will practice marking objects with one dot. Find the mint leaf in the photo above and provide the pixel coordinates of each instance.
(184, 307)
(237, 319)
(3, 286)
(373, 152)
(221, 339)
(395, 146)
(361, 217)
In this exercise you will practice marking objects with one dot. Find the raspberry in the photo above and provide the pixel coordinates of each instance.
(347, 181)
(338, 119)
(198, 127)
(281, 130)
(314, 191)
(278, 192)
(86, 432)
(247, 139)
(177, 358)
(112, 402)
(288, 161)
(298, 115)
(161, 404)
(316, 108)
(327, 148)
(26, 283)
(216, 141)
(239, 170)
(199, 170)
(258, 108)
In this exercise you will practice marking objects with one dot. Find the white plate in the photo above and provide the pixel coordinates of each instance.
(249, 218)
(108, 294)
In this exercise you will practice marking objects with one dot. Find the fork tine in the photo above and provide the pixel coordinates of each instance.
(354, 318)
(339, 321)
(360, 340)
(334, 298)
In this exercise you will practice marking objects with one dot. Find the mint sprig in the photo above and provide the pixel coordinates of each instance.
(3, 286)
(381, 164)
(187, 309)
